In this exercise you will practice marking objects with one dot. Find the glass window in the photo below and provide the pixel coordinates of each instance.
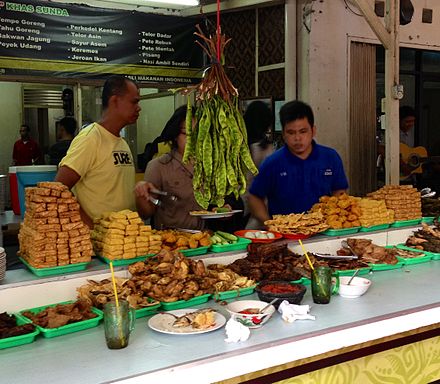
(431, 61)
(407, 59)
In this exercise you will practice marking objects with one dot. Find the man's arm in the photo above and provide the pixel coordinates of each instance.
(258, 208)
(69, 177)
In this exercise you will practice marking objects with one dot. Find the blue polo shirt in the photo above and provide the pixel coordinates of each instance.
(293, 185)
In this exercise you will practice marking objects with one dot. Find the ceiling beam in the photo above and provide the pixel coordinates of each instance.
(227, 5)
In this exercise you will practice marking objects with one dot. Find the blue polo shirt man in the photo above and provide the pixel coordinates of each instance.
(297, 175)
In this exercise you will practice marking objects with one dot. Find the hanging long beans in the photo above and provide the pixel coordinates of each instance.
(218, 141)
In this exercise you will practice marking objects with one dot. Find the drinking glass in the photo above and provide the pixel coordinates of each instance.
(322, 285)
(118, 324)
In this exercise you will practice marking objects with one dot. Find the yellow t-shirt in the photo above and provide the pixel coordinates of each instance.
(105, 164)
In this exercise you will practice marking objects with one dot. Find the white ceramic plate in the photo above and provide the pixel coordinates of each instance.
(164, 323)
(214, 215)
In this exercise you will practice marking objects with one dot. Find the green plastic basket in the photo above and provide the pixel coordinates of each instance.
(122, 262)
(386, 267)
(341, 232)
(142, 312)
(68, 328)
(349, 272)
(374, 228)
(234, 293)
(186, 303)
(428, 219)
(51, 271)
(15, 341)
(194, 252)
(303, 281)
(239, 245)
(405, 223)
(414, 260)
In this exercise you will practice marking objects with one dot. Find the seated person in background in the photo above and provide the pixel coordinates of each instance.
(258, 120)
(168, 173)
(65, 134)
(407, 120)
(298, 174)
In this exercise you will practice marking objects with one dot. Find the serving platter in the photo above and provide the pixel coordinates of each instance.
(242, 233)
(214, 215)
(163, 323)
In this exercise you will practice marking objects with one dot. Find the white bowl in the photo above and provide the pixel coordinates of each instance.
(250, 320)
(357, 287)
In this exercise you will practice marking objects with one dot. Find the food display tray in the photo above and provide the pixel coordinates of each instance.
(303, 280)
(234, 293)
(185, 303)
(374, 228)
(239, 245)
(414, 260)
(349, 272)
(428, 219)
(121, 262)
(68, 328)
(341, 232)
(51, 271)
(15, 341)
(194, 251)
(405, 223)
(386, 267)
(146, 311)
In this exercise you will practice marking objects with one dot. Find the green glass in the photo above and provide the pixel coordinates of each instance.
(118, 324)
(322, 285)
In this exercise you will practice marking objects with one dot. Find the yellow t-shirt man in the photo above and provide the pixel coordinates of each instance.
(105, 164)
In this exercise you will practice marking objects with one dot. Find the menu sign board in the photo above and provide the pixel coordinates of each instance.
(54, 39)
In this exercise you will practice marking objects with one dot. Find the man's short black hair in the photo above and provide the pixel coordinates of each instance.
(69, 124)
(114, 85)
(26, 127)
(406, 111)
(294, 110)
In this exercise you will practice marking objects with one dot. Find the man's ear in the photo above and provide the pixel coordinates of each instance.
(314, 131)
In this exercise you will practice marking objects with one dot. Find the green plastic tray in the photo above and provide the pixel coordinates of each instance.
(121, 262)
(386, 267)
(349, 272)
(146, 311)
(185, 303)
(303, 281)
(65, 329)
(414, 260)
(15, 341)
(51, 271)
(234, 293)
(434, 255)
(240, 244)
(428, 219)
(405, 223)
(374, 228)
(341, 232)
(194, 251)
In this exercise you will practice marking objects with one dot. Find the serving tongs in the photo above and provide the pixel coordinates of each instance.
(158, 202)
(427, 192)
(336, 257)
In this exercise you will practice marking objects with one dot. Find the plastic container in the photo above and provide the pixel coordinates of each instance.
(185, 303)
(414, 260)
(65, 329)
(239, 245)
(386, 267)
(13, 190)
(142, 312)
(428, 219)
(29, 176)
(121, 262)
(233, 294)
(405, 223)
(374, 228)
(51, 271)
(341, 232)
(15, 341)
(194, 252)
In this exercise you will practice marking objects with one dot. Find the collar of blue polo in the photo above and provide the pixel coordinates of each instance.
(313, 155)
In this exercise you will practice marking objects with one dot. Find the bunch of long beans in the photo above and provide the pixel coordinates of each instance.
(217, 143)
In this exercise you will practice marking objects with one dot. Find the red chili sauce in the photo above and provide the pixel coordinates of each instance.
(280, 288)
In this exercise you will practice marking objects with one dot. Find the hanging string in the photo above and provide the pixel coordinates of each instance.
(218, 30)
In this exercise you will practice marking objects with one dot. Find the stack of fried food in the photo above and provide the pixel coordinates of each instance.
(123, 235)
(339, 211)
(301, 223)
(427, 238)
(169, 277)
(98, 293)
(369, 252)
(174, 240)
(374, 212)
(404, 200)
(52, 233)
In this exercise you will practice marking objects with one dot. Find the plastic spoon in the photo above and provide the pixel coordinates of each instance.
(352, 277)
